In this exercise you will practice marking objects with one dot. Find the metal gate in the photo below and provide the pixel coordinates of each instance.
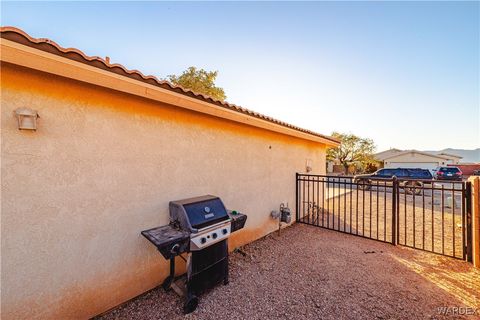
(421, 214)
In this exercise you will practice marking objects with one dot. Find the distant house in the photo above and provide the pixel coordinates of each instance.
(385, 154)
(454, 157)
(395, 158)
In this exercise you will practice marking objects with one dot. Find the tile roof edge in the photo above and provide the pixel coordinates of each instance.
(12, 33)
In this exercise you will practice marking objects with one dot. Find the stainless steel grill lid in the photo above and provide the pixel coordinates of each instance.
(202, 211)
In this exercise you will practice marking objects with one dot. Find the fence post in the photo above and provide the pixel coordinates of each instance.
(394, 210)
(297, 205)
(467, 222)
(475, 220)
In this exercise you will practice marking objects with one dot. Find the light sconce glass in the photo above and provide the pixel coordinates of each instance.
(308, 165)
(26, 118)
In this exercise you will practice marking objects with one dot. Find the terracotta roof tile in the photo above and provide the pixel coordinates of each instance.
(19, 36)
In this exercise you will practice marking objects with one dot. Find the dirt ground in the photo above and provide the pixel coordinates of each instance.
(313, 273)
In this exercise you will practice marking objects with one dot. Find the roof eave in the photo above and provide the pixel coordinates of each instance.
(97, 64)
(32, 58)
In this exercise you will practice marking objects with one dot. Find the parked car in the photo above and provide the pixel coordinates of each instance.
(448, 173)
(411, 179)
(476, 172)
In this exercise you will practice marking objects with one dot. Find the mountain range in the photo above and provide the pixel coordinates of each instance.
(467, 155)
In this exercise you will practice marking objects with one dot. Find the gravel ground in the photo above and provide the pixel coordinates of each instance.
(312, 273)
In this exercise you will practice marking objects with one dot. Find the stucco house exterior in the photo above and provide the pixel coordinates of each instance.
(111, 148)
(395, 158)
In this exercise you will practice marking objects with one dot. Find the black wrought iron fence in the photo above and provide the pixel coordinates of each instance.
(422, 214)
(433, 217)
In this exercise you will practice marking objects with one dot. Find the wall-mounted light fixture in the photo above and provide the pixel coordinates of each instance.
(26, 118)
(308, 165)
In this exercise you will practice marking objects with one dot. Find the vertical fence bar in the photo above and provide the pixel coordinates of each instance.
(340, 183)
(297, 209)
(414, 218)
(318, 200)
(303, 199)
(345, 205)
(378, 199)
(351, 191)
(323, 201)
(314, 208)
(453, 218)
(356, 215)
(339, 204)
(433, 218)
(423, 217)
(333, 206)
(308, 199)
(467, 238)
(394, 210)
(443, 221)
(370, 224)
(328, 203)
(398, 212)
(384, 210)
(363, 210)
(405, 210)
(314, 203)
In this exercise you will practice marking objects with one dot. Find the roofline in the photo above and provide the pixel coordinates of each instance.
(45, 55)
(392, 149)
(380, 156)
(451, 155)
(416, 151)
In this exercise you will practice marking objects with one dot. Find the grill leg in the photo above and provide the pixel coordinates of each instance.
(167, 283)
(191, 301)
(225, 279)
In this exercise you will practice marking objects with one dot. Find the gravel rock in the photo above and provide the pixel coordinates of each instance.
(312, 273)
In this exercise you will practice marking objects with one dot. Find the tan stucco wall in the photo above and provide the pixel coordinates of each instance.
(102, 167)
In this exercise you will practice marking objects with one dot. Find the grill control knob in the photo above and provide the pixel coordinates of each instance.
(214, 235)
(203, 240)
(224, 231)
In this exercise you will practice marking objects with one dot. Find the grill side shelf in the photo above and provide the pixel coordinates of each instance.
(168, 240)
(238, 220)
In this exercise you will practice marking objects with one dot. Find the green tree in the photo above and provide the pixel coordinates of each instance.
(199, 80)
(353, 150)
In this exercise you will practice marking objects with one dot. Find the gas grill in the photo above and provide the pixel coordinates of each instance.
(199, 227)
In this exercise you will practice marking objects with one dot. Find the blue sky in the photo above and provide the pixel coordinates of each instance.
(404, 74)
